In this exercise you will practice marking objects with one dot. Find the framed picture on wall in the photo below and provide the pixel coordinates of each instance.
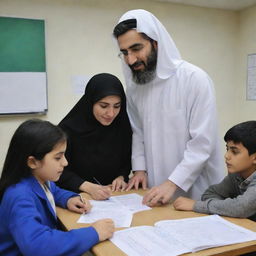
(251, 77)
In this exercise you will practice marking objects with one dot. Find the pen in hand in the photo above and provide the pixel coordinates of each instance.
(82, 199)
(104, 188)
(87, 206)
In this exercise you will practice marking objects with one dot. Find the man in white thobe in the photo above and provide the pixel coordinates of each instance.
(172, 108)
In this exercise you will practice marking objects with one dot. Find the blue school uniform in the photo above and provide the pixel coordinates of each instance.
(29, 224)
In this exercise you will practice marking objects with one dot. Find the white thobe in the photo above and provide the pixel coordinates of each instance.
(175, 134)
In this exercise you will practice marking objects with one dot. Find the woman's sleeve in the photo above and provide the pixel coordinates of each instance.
(126, 167)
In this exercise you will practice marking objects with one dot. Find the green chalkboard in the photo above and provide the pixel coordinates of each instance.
(23, 87)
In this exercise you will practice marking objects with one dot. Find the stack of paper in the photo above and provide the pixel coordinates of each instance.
(176, 237)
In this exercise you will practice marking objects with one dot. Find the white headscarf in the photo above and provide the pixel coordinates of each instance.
(168, 56)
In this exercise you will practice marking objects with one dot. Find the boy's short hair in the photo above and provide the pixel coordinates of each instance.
(244, 133)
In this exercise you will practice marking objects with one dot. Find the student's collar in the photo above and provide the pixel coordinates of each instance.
(248, 180)
(46, 185)
(38, 189)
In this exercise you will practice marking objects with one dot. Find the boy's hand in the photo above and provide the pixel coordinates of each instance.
(78, 204)
(184, 204)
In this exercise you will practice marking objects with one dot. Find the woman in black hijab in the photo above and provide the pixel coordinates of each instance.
(99, 139)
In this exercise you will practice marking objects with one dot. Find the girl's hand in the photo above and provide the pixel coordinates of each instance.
(105, 228)
(119, 184)
(78, 204)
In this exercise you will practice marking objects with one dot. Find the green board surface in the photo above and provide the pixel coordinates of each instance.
(22, 45)
(23, 80)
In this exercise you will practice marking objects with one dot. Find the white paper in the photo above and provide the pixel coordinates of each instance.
(131, 201)
(175, 237)
(145, 240)
(119, 208)
(206, 228)
(121, 217)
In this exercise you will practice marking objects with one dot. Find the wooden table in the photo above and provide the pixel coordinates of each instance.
(149, 217)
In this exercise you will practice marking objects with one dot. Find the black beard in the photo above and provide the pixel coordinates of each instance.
(149, 73)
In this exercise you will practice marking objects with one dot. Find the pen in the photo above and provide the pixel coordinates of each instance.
(82, 199)
(96, 181)
(99, 184)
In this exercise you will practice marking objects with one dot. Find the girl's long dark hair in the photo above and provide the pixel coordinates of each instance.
(32, 138)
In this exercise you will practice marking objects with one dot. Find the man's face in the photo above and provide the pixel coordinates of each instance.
(140, 55)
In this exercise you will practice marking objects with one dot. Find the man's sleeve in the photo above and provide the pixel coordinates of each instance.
(203, 131)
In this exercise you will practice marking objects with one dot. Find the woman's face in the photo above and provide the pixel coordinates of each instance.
(106, 109)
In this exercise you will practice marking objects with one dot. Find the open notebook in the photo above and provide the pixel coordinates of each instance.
(175, 237)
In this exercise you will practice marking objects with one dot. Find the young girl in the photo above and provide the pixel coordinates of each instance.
(34, 161)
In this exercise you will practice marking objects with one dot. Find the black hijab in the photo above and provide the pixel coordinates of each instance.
(96, 152)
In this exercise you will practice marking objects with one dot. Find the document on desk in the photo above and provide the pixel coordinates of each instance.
(175, 237)
(119, 208)
(133, 202)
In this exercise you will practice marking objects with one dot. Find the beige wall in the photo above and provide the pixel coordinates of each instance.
(79, 42)
(247, 40)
